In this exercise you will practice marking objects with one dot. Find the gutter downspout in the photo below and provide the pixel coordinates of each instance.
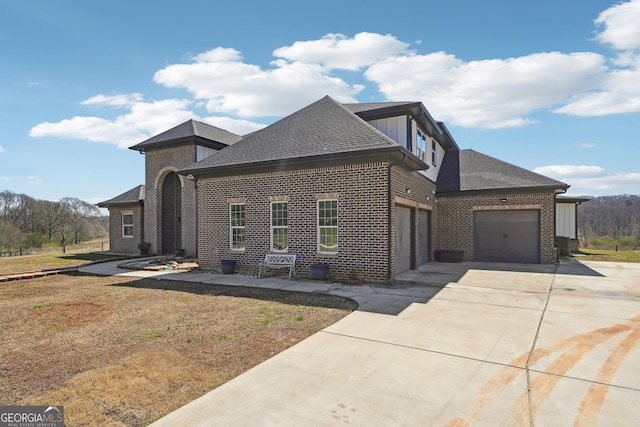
(389, 205)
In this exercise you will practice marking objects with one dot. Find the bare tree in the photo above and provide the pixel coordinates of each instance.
(16, 209)
(51, 217)
(79, 214)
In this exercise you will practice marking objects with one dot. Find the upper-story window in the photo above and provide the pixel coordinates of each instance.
(434, 153)
(421, 145)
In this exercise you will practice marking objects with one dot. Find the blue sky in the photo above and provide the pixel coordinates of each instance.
(550, 86)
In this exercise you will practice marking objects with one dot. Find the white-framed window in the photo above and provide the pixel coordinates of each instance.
(421, 145)
(279, 227)
(328, 226)
(237, 240)
(434, 153)
(127, 224)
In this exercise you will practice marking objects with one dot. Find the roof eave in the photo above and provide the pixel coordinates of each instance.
(128, 202)
(558, 189)
(409, 160)
(192, 139)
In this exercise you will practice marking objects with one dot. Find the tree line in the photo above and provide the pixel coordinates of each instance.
(610, 221)
(29, 222)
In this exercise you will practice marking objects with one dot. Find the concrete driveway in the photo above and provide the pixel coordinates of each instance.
(500, 345)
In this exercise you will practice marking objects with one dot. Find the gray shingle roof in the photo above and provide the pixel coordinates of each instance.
(135, 195)
(322, 128)
(190, 128)
(469, 170)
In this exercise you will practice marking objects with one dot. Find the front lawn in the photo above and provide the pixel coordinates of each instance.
(126, 351)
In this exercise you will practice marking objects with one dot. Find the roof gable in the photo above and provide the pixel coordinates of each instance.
(189, 130)
(469, 170)
(322, 128)
(415, 110)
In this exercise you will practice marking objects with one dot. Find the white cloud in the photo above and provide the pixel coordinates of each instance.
(5, 178)
(587, 145)
(143, 120)
(490, 93)
(230, 86)
(125, 100)
(621, 29)
(2, 150)
(619, 92)
(600, 184)
(591, 179)
(337, 51)
(562, 171)
(240, 127)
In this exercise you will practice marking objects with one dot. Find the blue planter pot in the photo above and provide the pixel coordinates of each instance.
(228, 266)
(320, 271)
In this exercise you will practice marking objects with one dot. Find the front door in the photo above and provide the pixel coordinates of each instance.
(171, 214)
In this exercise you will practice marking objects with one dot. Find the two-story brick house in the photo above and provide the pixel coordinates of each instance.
(372, 189)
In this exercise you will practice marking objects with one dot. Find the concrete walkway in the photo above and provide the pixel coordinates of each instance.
(481, 345)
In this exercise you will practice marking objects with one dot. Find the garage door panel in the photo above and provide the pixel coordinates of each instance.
(403, 239)
(507, 236)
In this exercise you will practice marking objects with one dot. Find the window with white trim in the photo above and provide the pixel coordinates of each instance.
(279, 227)
(328, 226)
(421, 145)
(127, 224)
(237, 240)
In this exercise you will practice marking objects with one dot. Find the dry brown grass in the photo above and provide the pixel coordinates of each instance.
(126, 351)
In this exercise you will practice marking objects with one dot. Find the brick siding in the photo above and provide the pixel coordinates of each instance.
(159, 163)
(415, 191)
(454, 219)
(361, 191)
(117, 243)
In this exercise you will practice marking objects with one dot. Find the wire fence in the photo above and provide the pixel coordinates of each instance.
(96, 245)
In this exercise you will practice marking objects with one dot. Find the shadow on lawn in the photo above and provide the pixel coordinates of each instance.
(276, 295)
(93, 257)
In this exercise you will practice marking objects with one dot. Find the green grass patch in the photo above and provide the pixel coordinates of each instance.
(609, 255)
(46, 304)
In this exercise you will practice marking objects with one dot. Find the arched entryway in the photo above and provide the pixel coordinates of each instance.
(171, 214)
